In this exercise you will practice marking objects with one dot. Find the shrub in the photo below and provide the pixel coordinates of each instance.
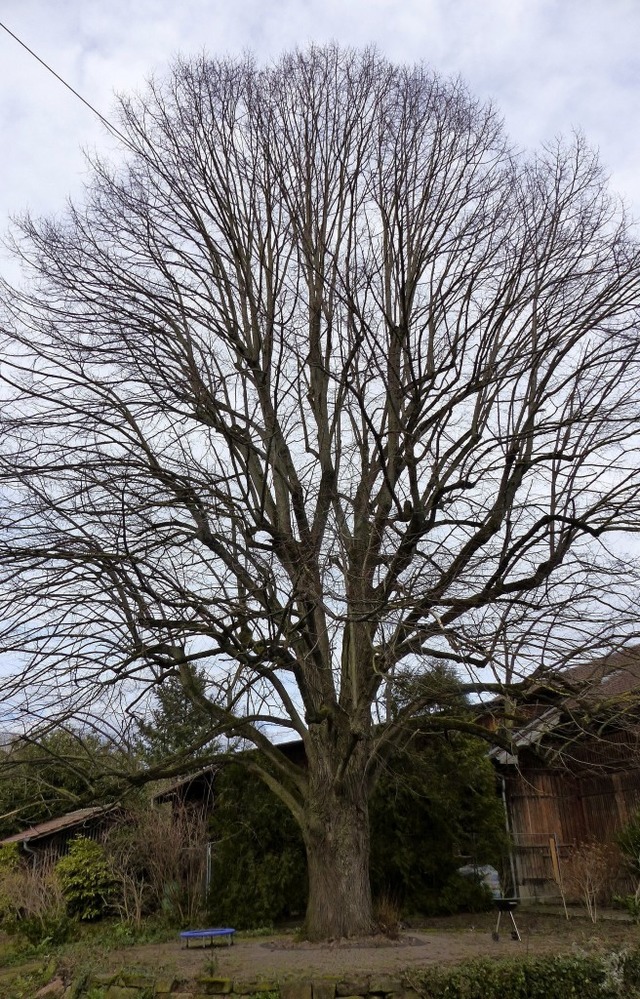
(462, 894)
(631, 970)
(629, 843)
(632, 904)
(177, 861)
(432, 806)
(125, 855)
(259, 871)
(31, 902)
(9, 857)
(86, 880)
(158, 857)
(9, 865)
(386, 912)
(589, 874)
(434, 809)
(537, 978)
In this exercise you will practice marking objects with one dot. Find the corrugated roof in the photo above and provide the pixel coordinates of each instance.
(68, 821)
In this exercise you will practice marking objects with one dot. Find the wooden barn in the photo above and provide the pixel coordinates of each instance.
(574, 772)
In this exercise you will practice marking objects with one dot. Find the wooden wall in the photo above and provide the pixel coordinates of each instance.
(585, 799)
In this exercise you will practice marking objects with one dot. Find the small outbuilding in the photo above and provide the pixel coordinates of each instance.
(573, 774)
(50, 838)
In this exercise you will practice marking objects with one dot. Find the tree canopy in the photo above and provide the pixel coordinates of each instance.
(321, 383)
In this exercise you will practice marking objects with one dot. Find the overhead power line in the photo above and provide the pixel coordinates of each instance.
(105, 121)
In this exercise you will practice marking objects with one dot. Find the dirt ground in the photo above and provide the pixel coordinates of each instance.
(434, 942)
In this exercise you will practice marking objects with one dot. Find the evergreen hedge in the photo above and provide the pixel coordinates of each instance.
(435, 808)
(613, 976)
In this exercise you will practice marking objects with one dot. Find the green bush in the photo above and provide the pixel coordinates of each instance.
(52, 928)
(631, 970)
(9, 857)
(259, 871)
(535, 978)
(629, 841)
(9, 868)
(462, 894)
(31, 902)
(87, 884)
(631, 903)
(434, 805)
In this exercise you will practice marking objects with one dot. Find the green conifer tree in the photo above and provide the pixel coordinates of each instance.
(177, 724)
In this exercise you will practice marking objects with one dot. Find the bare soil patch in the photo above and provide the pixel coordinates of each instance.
(434, 942)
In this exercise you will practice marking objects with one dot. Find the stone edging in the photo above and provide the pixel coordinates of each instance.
(125, 985)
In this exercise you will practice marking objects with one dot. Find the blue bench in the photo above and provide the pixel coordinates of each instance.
(226, 931)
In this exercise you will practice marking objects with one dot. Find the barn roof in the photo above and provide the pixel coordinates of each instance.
(69, 821)
(606, 689)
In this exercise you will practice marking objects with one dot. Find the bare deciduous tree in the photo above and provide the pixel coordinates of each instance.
(323, 384)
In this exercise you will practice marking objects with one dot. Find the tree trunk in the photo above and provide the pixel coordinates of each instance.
(337, 844)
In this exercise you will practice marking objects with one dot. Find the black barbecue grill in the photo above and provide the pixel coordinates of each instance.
(506, 905)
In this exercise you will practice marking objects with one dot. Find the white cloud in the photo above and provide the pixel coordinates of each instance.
(550, 65)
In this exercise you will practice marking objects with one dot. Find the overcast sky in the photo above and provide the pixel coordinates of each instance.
(549, 65)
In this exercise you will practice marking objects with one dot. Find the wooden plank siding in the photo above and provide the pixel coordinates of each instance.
(590, 803)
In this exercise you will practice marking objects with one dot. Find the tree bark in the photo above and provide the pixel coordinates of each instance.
(337, 844)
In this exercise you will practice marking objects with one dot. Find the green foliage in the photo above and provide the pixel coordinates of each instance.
(9, 858)
(435, 808)
(629, 841)
(177, 723)
(461, 894)
(632, 904)
(259, 864)
(31, 903)
(9, 882)
(49, 929)
(584, 977)
(26, 984)
(86, 879)
(631, 970)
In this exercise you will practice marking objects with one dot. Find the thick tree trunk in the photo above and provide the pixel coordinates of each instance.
(337, 843)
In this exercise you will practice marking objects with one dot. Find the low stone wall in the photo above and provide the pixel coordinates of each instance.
(614, 975)
(137, 986)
